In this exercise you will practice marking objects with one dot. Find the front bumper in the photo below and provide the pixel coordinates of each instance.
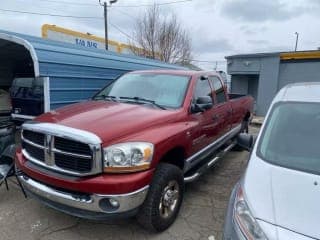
(91, 206)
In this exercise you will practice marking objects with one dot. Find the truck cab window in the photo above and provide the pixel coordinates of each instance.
(27, 87)
(219, 89)
(27, 96)
(202, 89)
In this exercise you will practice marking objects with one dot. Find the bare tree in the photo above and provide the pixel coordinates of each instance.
(161, 37)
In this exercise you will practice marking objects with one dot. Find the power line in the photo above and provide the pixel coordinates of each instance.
(192, 60)
(49, 14)
(207, 61)
(92, 17)
(124, 13)
(121, 31)
(157, 4)
(73, 3)
(118, 6)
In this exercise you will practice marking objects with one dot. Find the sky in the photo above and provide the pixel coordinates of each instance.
(218, 28)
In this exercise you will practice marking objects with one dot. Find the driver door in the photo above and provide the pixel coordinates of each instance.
(208, 127)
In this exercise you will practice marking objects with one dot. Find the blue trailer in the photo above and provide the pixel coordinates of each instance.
(43, 75)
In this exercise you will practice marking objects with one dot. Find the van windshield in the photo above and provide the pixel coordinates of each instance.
(163, 89)
(291, 137)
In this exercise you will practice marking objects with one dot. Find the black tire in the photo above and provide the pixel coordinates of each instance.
(150, 216)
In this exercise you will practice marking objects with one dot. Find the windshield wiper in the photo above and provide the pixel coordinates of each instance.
(143, 100)
(107, 97)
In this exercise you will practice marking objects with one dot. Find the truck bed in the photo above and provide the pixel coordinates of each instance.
(235, 95)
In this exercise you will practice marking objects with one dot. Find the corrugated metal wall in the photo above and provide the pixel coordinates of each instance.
(76, 73)
(299, 71)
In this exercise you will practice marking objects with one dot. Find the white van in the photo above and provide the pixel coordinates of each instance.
(278, 195)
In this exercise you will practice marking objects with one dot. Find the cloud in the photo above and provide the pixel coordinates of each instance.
(253, 30)
(258, 42)
(212, 45)
(271, 48)
(217, 28)
(263, 10)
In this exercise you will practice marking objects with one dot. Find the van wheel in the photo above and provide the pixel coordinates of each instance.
(163, 202)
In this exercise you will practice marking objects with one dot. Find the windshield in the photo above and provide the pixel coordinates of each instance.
(291, 137)
(27, 88)
(162, 89)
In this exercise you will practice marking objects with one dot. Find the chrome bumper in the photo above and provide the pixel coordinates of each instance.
(91, 203)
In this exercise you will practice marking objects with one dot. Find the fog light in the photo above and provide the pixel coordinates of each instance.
(109, 204)
(114, 203)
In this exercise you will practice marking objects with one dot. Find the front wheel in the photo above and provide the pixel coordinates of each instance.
(164, 199)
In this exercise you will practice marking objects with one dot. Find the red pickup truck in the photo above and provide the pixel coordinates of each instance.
(130, 150)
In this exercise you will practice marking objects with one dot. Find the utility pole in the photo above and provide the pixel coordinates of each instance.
(297, 39)
(105, 7)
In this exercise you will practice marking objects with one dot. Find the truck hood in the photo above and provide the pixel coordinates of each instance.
(286, 198)
(109, 120)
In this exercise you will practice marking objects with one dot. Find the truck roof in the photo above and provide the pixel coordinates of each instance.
(300, 92)
(179, 72)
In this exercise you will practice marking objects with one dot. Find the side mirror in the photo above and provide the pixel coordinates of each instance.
(202, 104)
(245, 141)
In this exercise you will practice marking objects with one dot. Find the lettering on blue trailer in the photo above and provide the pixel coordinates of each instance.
(84, 43)
(92, 44)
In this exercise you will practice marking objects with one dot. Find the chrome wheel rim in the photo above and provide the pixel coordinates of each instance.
(169, 199)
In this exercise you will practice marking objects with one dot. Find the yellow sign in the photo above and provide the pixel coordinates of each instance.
(56, 33)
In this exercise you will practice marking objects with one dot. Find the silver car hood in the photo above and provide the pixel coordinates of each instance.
(284, 198)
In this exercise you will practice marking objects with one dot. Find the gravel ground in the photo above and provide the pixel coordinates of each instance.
(201, 215)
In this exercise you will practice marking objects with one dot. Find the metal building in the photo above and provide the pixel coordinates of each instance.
(70, 73)
(262, 75)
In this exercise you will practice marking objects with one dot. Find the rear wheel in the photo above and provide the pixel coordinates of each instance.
(164, 199)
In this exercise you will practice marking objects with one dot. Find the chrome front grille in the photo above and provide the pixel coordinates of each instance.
(37, 138)
(34, 151)
(75, 147)
(61, 151)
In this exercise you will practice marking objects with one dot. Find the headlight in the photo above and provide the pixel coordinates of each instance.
(128, 157)
(244, 219)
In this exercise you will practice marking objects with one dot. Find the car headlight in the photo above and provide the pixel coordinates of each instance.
(128, 157)
(244, 219)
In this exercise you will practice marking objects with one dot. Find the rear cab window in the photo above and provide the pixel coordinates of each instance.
(219, 89)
